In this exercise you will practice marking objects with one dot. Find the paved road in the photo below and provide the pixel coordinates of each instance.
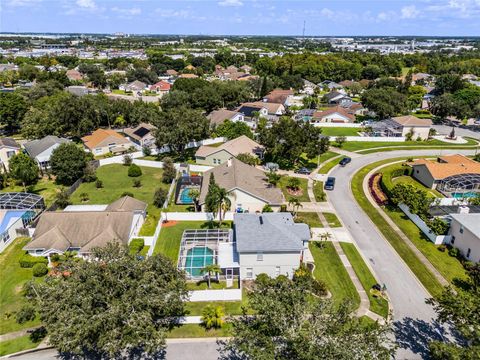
(413, 318)
(444, 130)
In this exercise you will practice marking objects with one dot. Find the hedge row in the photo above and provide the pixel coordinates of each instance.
(28, 261)
(386, 180)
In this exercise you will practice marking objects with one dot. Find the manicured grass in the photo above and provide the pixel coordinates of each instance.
(168, 242)
(320, 195)
(340, 131)
(198, 331)
(309, 218)
(377, 304)
(18, 344)
(332, 220)
(419, 269)
(329, 268)
(12, 279)
(329, 165)
(369, 146)
(229, 307)
(313, 163)
(303, 186)
(44, 187)
(116, 181)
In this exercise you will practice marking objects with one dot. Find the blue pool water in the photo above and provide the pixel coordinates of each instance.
(197, 258)
(185, 196)
(470, 194)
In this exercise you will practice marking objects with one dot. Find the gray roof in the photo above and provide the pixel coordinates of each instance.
(469, 221)
(9, 142)
(269, 232)
(36, 147)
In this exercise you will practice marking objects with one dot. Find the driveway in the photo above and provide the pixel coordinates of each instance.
(445, 130)
(413, 318)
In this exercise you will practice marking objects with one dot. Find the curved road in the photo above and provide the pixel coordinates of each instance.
(413, 318)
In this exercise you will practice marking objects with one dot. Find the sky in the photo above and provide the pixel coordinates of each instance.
(244, 17)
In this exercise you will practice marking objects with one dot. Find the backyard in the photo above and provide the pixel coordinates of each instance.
(340, 131)
(44, 187)
(116, 182)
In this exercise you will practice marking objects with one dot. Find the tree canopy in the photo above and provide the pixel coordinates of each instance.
(68, 163)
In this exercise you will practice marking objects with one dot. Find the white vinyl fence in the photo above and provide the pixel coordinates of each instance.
(338, 125)
(398, 139)
(216, 295)
(436, 239)
(193, 216)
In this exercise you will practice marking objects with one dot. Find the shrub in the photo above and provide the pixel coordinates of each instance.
(127, 193)
(267, 209)
(137, 183)
(38, 334)
(212, 316)
(340, 140)
(169, 171)
(442, 248)
(146, 151)
(55, 258)
(84, 196)
(28, 261)
(135, 246)
(39, 270)
(89, 174)
(160, 197)
(99, 184)
(293, 183)
(453, 252)
(134, 170)
(127, 160)
(62, 198)
(26, 313)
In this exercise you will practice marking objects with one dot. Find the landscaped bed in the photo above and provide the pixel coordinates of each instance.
(301, 193)
(116, 182)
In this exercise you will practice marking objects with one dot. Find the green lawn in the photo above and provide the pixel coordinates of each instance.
(320, 195)
(198, 331)
(330, 165)
(116, 182)
(366, 147)
(377, 304)
(44, 187)
(340, 131)
(11, 281)
(419, 269)
(18, 344)
(303, 186)
(313, 163)
(229, 307)
(168, 242)
(329, 268)
(332, 220)
(309, 218)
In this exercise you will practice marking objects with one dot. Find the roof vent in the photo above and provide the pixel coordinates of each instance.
(229, 162)
(261, 220)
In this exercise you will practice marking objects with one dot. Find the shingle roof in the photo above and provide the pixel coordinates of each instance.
(248, 109)
(269, 232)
(103, 137)
(127, 203)
(278, 96)
(36, 147)
(9, 142)
(219, 116)
(410, 120)
(241, 176)
(242, 144)
(337, 109)
(271, 107)
(136, 85)
(139, 131)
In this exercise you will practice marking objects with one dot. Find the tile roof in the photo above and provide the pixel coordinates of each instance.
(269, 232)
(103, 137)
(240, 145)
(235, 174)
(410, 120)
(161, 85)
(449, 165)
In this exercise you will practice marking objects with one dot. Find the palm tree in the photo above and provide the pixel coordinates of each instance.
(212, 317)
(273, 178)
(209, 270)
(295, 204)
(223, 202)
(195, 195)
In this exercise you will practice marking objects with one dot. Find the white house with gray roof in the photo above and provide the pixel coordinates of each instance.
(270, 243)
(41, 150)
(465, 235)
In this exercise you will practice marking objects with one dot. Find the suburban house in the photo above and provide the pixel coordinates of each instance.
(308, 87)
(162, 87)
(8, 148)
(465, 235)
(74, 75)
(210, 155)
(450, 173)
(188, 76)
(248, 110)
(331, 85)
(218, 117)
(231, 72)
(270, 243)
(403, 126)
(279, 96)
(171, 72)
(135, 86)
(81, 228)
(337, 114)
(269, 110)
(246, 185)
(142, 134)
(338, 98)
(104, 141)
(41, 150)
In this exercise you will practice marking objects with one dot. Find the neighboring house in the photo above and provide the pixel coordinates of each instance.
(210, 155)
(162, 87)
(142, 134)
(218, 117)
(77, 90)
(279, 96)
(450, 173)
(104, 141)
(74, 75)
(270, 243)
(465, 235)
(308, 87)
(338, 98)
(41, 150)
(171, 72)
(272, 109)
(333, 115)
(403, 126)
(346, 83)
(8, 148)
(248, 110)
(188, 76)
(304, 115)
(135, 86)
(331, 85)
(83, 228)
(246, 185)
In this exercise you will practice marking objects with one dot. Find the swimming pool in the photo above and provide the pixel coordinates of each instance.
(185, 197)
(465, 195)
(197, 258)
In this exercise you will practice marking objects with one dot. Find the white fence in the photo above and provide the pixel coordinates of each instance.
(372, 138)
(199, 168)
(215, 295)
(193, 216)
(436, 239)
(338, 125)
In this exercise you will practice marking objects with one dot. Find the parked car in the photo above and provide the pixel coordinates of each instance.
(330, 183)
(345, 161)
(303, 171)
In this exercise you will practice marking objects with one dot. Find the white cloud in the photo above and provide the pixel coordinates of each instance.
(86, 4)
(127, 12)
(382, 16)
(327, 13)
(178, 14)
(230, 3)
(409, 12)
(18, 3)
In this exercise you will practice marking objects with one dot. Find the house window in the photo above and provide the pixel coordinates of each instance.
(453, 240)
(259, 256)
(468, 252)
(39, 251)
(461, 229)
(249, 273)
(277, 271)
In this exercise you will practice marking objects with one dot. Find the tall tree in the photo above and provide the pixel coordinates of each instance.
(12, 109)
(169, 171)
(68, 163)
(232, 130)
(114, 305)
(22, 168)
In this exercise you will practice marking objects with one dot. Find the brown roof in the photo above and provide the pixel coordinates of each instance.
(219, 116)
(271, 107)
(410, 120)
(171, 72)
(337, 109)
(188, 76)
(103, 137)
(73, 74)
(278, 96)
(449, 165)
(234, 174)
(139, 131)
(346, 83)
(9, 142)
(240, 145)
(127, 203)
